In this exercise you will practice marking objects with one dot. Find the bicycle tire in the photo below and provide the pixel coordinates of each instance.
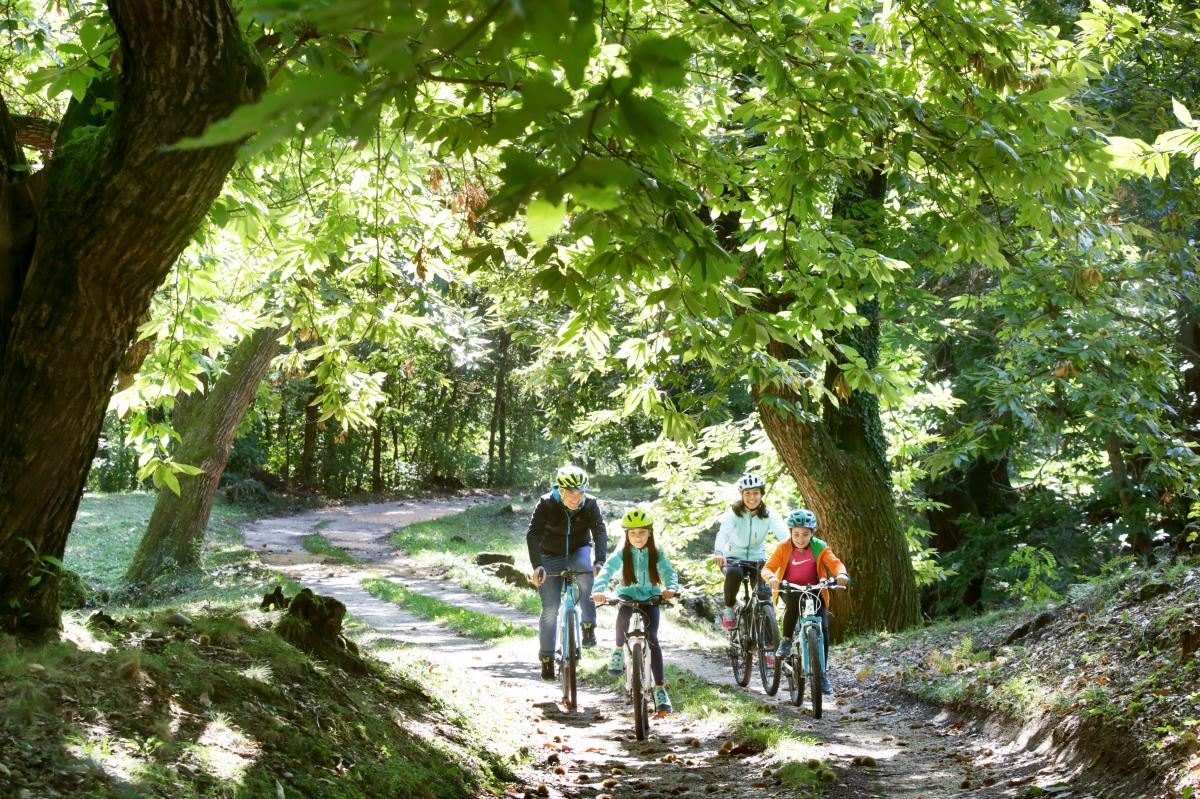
(813, 642)
(739, 650)
(769, 675)
(641, 724)
(795, 679)
(570, 661)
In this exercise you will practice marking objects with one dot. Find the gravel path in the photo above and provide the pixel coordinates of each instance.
(919, 752)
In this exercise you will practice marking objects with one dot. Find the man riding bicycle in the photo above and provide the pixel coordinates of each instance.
(565, 532)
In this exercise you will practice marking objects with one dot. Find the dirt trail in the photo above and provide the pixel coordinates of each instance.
(919, 751)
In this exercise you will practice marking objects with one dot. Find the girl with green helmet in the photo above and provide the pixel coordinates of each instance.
(645, 572)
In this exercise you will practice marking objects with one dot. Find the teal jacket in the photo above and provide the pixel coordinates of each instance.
(642, 589)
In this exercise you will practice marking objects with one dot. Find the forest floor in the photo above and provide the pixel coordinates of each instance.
(878, 738)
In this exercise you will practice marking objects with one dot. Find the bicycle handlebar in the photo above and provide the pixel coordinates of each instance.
(829, 582)
(617, 599)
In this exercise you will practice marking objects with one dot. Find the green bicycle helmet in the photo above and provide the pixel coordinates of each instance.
(571, 477)
(638, 517)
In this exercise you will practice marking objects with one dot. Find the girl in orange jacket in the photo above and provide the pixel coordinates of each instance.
(803, 560)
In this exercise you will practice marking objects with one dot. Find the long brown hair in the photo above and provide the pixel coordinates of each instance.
(627, 575)
(739, 508)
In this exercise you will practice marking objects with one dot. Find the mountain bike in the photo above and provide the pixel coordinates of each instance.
(754, 632)
(570, 636)
(807, 658)
(639, 677)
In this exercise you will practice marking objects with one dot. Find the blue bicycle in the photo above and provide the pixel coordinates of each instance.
(570, 635)
(807, 659)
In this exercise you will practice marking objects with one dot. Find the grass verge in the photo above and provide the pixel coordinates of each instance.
(469, 622)
(317, 545)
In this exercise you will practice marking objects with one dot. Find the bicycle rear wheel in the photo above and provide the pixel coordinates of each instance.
(739, 650)
(641, 723)
(813, 644)
(569, 664)
(795, 679)
(769, 674)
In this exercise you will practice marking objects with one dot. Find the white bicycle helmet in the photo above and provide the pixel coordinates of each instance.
(749, 480)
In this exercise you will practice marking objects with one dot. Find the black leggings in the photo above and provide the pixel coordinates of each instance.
(791, 615)
(624, 615)
(733, 581)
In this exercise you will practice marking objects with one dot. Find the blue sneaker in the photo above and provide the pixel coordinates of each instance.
(616, 664)
(785, 648)
(662, 700)
(826, 685)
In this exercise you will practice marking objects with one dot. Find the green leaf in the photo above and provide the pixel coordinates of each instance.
(662, 61)
(1007, 149)
(543, 219)
(1181, 113)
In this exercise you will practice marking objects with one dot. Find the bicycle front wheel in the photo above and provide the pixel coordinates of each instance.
(739, 650)
(812, 643)
(641, 721)
(569, 664)
(769, 674)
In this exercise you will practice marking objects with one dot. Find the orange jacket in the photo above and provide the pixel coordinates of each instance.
(828, 564)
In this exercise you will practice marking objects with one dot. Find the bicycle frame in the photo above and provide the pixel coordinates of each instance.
(570, 632)
(570, 615)
(809, 608)
(798, 666)
(751, 635)
(639, 687)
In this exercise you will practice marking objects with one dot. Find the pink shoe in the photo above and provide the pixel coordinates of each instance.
(727, 619)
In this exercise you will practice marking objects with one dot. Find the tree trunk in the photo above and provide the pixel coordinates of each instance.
(377, 458)
(839, 465)
(283, 434)
(308, 452)
(175, 535)
(116, 207)
(839, 460)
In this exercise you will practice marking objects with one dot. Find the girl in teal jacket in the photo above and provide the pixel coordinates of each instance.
(645, 573)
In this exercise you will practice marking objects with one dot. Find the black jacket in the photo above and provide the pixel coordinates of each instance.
(548, 527)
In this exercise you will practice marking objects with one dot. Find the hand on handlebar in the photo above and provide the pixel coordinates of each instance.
(666, 595)
(539, 577)
(599, 598)
(719, 559)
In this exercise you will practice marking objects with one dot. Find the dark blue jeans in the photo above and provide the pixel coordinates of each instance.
(551, 593)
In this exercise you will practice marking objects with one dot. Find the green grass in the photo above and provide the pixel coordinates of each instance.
(316, 544)
(109, 527)
(470, 622)
(226, 708)
(496, 589)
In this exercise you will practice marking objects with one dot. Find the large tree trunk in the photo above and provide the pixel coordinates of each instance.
(839, 459)
(175, 536)
(117, 206)
(840, 466)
